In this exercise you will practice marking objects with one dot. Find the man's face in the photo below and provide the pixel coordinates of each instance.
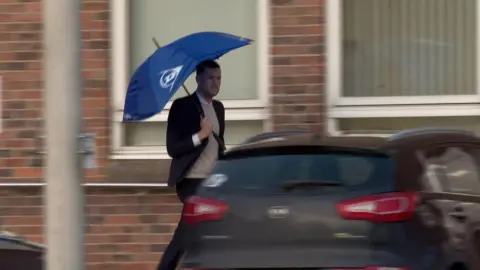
(209, 82)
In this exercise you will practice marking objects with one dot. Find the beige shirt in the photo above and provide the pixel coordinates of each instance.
(205, 163)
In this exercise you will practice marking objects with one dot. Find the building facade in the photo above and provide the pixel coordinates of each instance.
(343, 67)
(276, 83)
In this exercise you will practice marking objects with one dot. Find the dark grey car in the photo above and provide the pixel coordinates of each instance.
(409, 202)
(19, 254)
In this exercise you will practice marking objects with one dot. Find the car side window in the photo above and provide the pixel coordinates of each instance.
(451, 169)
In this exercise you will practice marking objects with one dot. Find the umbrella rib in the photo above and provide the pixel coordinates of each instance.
(158, 47)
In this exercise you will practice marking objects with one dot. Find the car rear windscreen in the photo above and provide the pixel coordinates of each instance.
(270, 172)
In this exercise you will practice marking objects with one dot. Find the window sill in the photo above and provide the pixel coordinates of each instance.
(143, 152)
(408, 100)
(237, 114)
(425, 110)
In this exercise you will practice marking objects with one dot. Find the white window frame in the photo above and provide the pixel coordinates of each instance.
(235, 110)
(339, 107)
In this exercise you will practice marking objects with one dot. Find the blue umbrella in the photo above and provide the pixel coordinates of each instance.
(158, 78)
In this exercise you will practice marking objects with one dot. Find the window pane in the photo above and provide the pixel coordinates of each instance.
(168, 20)
(456, 171)
(346, 170)
(391, 125)
(409, 47)
(153, 133)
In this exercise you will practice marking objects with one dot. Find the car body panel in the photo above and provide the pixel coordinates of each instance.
(312, 235)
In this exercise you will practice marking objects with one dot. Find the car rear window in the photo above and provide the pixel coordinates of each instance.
(267, 173)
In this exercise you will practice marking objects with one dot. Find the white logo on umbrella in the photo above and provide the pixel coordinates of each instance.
(169, 76)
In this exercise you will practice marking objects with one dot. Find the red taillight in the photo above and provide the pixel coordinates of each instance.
(366, 268)
(388, 207)
(374, 268)
(199, 209)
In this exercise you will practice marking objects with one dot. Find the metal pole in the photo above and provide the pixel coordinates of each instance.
(64, 173)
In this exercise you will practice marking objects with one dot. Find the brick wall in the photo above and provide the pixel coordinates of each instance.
(21, 74)
(297, 46)
(127, 228)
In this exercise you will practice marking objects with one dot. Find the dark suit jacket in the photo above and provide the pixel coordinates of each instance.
(183, 122)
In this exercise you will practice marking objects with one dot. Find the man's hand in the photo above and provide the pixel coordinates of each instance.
(205, 128)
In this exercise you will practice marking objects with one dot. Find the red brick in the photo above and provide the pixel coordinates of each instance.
(95, 103)
(297, 11)
(296, 49)
(298, 30)
(15, 162)
(28, 173)
(122, 219)
(297, 2)
(306, 70)
(15, 220)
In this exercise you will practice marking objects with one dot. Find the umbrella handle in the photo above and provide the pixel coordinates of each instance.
(215, 135)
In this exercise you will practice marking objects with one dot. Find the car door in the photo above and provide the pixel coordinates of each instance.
(452, 183)
(474, 235)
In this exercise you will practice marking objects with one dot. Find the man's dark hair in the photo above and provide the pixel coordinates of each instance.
(206, 64)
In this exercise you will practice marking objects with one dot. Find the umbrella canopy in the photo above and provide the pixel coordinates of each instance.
(158, 78)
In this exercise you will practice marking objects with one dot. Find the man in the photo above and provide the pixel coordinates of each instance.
(193, 122)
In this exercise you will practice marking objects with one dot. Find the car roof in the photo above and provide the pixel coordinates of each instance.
(413, 137)
(12, 242)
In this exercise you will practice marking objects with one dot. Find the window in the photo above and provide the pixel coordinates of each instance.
(347, 170)
(245, 75)
(451, 169)
(152, 133)
(401, 59)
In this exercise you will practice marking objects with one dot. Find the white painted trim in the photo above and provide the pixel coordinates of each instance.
(119, 28)
(255, 109)
(160, 152)
(332, 126)
(477, 22)
(119, 151)
(333, 78)
(117, 136)
(130, 155)
(409, 100)
(144, 152)
(432, 110)
(334, 62)
(405, 100)
(263, 54)
(228, 104)
(230, 115)
(118, 65)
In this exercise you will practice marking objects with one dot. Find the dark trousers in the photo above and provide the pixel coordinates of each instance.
(174, 250)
